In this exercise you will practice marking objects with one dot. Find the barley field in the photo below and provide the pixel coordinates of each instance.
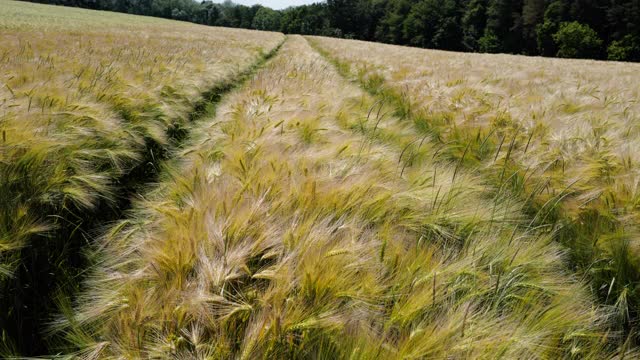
(295, 224)
(562, 135)
(88, 102)
(79, 100)
(81, 92)
(188, 192)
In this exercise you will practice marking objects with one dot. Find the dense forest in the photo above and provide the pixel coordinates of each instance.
(600, 29)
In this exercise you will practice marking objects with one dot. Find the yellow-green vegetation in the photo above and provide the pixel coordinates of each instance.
(561, 135)
(357, 201)
(306, 220)
(80, 92)
(85, 98)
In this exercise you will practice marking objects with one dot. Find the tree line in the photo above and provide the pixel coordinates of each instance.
(598, 29)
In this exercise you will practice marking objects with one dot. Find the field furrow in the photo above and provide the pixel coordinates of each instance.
(561, 135)
(305, 219)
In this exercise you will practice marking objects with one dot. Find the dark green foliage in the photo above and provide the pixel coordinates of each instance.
(532, 15)
(267, 19)
(489, 42)
(576, 40)
(434, 24)
(474, 21)
(553, 16)
(504, 22)
(390, 28)
(511, 26)
(626, 49)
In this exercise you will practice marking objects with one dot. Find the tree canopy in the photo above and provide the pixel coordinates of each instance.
(599, 29)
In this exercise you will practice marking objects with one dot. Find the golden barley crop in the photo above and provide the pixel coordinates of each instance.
(563, 135)
(80, 91)
(339, 200)
(305, 220)
(90, 102)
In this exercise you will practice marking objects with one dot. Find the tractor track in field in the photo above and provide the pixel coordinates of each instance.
(52, 267)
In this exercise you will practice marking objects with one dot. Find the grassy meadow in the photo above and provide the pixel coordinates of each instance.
(169, 190)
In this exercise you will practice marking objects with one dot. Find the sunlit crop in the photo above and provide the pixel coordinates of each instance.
(90, 102)
(306, 220)
(211, 193)
(562, 135)
(81, 92)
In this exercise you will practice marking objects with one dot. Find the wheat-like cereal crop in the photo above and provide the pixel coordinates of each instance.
(305, 220)
(90, 103)
(81, 92)
(561, 134)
